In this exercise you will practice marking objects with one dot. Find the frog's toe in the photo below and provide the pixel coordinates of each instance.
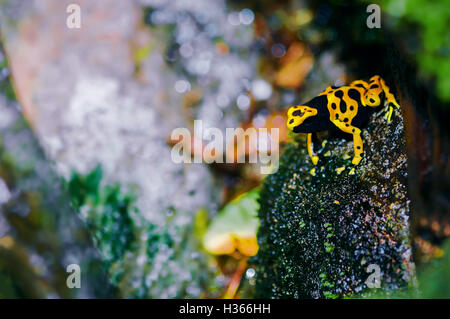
(393, 103)
(315, 159)
(356, 160)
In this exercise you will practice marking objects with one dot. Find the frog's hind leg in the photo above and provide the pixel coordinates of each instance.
(390, 99)
(361, 86)
(360, 83)
(357, 140)
(313, 156)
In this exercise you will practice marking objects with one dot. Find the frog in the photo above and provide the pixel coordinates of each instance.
(346, 108)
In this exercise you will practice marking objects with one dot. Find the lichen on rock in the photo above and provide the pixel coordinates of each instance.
(322, 226)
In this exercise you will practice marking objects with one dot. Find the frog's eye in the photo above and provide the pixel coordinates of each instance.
(298, 113)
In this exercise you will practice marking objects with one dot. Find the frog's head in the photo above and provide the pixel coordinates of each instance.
(297, 116)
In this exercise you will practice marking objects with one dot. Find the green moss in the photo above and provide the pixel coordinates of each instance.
(107, 213)
(143, 260)
(319, 233)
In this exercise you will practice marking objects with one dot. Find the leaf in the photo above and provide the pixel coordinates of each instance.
(235, 227)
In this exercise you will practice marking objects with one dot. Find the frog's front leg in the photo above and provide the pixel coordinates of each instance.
(314, 157)
(390, 99)
(377, 84)
(357, 140)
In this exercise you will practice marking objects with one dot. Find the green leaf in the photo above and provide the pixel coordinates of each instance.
(235, 227)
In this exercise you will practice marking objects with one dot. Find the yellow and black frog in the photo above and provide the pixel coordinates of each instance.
(347, 108)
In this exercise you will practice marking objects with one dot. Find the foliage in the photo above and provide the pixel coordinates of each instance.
(234, 228)
(231, 236)
(432, 18)
(143, 259)
(434, 278)
(107, 212)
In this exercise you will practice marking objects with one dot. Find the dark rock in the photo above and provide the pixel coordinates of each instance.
(321, 229)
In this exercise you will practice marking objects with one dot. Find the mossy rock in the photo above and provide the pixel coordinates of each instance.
(321, 229)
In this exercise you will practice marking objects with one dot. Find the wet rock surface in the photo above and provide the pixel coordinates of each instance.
(322, 226)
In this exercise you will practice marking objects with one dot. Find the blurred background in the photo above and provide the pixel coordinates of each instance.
(86, 116)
